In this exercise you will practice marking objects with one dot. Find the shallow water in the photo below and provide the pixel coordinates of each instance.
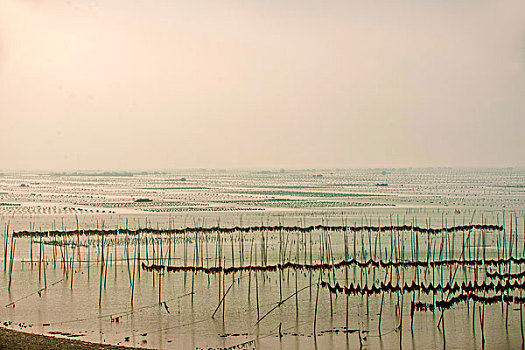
(428, 198)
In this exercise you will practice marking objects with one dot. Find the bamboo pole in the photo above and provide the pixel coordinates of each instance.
(316, 304)
(11, 262)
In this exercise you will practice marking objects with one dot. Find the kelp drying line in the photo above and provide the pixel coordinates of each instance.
(505, 275)
(465, 297)
(250, 229)
(338, 265)
(429, 288)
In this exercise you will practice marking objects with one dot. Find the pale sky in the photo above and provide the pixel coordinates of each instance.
(121, 84)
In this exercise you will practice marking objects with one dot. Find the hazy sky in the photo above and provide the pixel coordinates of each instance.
(121, 84)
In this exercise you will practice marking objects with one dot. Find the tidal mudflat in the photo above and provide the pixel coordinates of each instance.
(375, 258)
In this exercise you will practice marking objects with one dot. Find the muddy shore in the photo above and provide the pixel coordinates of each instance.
(15, 340)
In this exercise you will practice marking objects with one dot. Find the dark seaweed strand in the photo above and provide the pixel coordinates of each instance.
(462, 298)
(248, 229)
(504, 276)
(464, 288)
(327, 266)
